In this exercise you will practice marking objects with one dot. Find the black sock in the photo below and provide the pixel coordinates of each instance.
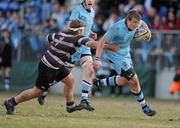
(12, 101)
(70, 104)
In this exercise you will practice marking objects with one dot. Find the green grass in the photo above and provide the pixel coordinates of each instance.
(111, 112)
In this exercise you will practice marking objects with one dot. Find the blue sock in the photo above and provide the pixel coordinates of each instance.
(140, 98)
(86, 87)
(110, 81)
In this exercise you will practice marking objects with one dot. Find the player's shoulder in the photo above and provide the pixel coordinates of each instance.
(78, 7)
(118, 24)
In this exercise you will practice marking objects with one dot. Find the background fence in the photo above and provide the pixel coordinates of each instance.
(162, 52)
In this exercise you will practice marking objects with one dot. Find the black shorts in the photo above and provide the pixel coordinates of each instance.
(47, 75)
(6, 62)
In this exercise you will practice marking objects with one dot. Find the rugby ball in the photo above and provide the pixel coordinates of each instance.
(142, 34)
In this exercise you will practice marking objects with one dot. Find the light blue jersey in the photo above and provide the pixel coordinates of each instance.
(120, 34)
(87, 17)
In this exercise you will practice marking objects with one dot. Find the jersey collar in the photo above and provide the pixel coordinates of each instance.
(84, 6)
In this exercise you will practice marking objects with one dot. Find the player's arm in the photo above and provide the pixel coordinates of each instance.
(100, 46)
(144, 25)
(86, 41)
(112, 47)
(93, 45)
(97, 62)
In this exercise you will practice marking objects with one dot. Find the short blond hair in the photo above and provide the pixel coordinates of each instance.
(133, 14)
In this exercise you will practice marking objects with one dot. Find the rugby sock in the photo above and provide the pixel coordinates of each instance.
(70, 104)
(44, 94)
(86, 87)
(140, 98)
(110, 81)
(12, 101)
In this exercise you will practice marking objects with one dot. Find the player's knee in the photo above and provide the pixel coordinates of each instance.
(128, 74)
(88, 67)
(70, 83)
(34, 92)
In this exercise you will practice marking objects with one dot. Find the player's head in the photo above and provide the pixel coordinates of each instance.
(76, 26)
(89, 4)
(133, 18)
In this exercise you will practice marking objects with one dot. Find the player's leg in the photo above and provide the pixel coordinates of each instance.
(127, 76)
(22, 97)
(133, 81)
(42, 97)
(45, 77)
(71, 105)
(7, 82)
(84, 55)
(67, 78)
(86, 84)
(98, 84)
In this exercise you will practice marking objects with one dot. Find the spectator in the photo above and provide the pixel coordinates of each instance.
(175, 86)
(110, 21)
(6, 57)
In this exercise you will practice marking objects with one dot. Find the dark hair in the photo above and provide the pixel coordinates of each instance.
(76, 24)
(133, 14)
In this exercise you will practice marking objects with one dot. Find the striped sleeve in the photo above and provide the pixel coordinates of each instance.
(51, 37)
(83, 41)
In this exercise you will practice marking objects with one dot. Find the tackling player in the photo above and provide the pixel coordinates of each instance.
(54, 65)
(86, 13)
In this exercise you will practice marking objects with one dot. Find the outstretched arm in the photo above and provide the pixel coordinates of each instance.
(112, 47)
(93, 44)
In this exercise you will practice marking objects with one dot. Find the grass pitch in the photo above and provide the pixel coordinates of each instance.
(110, 112)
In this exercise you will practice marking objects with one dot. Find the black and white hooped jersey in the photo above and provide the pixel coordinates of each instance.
(62, 46)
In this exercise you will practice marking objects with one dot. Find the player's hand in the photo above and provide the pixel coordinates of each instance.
(148, 38)
(97, 64)
(92, 44)
(114, 47)
(93, 35)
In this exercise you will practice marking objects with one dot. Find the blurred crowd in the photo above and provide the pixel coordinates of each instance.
(31, 20)
(24, 25)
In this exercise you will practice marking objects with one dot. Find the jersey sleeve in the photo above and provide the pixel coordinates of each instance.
(112, 33)
(50, 37)
(54, 37)
(81, 40)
